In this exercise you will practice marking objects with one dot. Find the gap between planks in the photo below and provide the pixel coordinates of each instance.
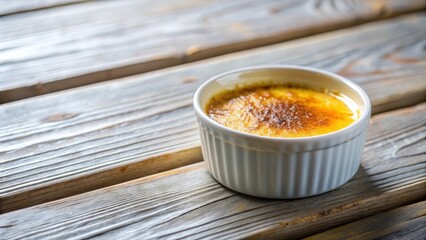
(188, 203)
(8, 7)
(55, 49)
(79, 140)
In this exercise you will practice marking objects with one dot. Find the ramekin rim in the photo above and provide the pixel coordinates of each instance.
(364, 116)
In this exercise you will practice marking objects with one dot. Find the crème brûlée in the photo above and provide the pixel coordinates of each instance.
(282, 111)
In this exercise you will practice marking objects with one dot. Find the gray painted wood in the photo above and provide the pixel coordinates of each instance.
(8, 7)
(82, 139)
(55, 49)
(189, 203)
(408, 222)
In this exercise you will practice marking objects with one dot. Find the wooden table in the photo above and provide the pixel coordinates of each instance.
(98, 138)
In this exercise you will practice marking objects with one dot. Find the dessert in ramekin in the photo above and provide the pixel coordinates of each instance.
(274, 165)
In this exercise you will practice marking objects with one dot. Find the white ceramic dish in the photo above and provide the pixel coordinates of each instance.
(281, 167)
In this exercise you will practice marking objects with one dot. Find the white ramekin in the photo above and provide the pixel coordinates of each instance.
(281, 167)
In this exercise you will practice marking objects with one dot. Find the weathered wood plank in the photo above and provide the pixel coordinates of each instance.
(8, 7)
(78, 140)
(408, 222)
(187, 202)
(51, 50)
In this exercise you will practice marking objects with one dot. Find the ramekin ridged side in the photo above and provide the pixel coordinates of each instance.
(274, 174)
(281, 167)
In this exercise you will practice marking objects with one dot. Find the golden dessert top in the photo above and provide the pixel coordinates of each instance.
(282, 111)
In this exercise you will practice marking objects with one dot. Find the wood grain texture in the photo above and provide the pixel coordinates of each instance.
(189, 203)
(55, 49)
(8, 7)
(408, 222)
(61, 144)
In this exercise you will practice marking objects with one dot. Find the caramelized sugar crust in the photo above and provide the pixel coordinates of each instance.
(282, 111)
